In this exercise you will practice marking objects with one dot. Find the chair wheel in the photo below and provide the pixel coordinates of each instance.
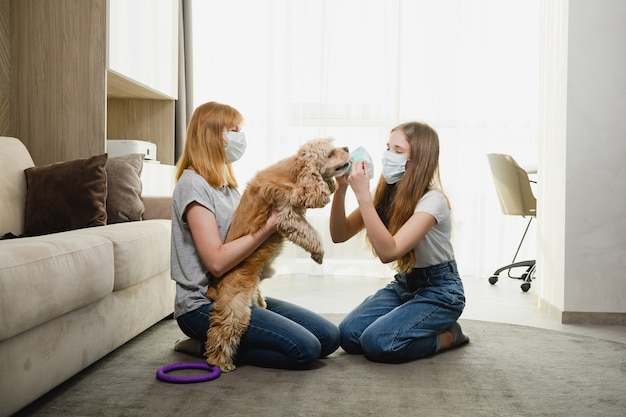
(525, 286)
(493, 279)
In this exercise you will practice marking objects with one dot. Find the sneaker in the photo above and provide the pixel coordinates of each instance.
(189, 346)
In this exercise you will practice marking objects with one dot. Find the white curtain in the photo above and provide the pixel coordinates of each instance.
(352, 70)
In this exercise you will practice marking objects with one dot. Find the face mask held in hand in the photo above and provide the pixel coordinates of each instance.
(235, 147)
(393, 166)
(360, 154)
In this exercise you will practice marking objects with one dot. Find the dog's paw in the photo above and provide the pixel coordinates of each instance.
(227, 367)
(318, 257)
(224, 366)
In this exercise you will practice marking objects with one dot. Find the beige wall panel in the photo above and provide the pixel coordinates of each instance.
(5, 68)
(58, 54)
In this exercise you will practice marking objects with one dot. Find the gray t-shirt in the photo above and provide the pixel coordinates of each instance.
(436, 247)
(187, 269)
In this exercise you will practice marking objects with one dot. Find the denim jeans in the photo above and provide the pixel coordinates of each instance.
(402, 321)
(282, 336)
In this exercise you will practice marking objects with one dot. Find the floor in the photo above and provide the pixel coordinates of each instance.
(503, 302)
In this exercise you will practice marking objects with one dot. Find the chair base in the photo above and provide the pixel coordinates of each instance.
(527, 276)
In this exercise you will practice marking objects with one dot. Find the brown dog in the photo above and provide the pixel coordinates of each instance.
(290, 186)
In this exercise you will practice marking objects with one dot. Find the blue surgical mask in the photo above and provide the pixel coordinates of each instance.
(235, 146)
(394, 166)
(360, 154)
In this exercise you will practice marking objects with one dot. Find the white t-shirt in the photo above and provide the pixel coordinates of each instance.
(436, 247)
(187, 268)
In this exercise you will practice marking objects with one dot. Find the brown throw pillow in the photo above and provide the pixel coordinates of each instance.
(66, 196)
(124, 186)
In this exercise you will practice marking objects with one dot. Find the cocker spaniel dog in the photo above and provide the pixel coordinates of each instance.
(290, 186)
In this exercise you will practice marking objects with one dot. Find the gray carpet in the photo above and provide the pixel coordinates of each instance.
(506, 370)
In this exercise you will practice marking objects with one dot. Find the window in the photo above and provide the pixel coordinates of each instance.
(353, 69)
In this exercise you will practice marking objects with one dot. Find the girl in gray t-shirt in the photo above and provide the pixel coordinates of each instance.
(205, 197)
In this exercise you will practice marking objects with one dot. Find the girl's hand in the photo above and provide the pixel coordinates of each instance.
(342, 181)
(359, 178)
(272, 220)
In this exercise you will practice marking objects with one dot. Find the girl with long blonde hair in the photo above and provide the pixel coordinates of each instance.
(407, 222)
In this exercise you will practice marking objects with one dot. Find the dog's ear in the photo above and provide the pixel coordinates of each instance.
(311, 191)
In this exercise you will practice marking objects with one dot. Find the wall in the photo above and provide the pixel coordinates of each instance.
(582, 237)
(5, 68)
(551, 159)
(595, 239)
(58, 78)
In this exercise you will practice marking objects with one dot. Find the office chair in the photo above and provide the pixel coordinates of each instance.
(516, 199)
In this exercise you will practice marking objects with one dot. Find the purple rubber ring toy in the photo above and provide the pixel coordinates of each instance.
(162, 373)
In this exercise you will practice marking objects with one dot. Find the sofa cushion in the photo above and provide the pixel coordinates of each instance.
(141, 249)
(44, 277)
(65, 196)
(124, 187)
(14, 159)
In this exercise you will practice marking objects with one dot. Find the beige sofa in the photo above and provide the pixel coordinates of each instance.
(69, 298)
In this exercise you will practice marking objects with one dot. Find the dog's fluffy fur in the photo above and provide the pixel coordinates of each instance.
(290, 186)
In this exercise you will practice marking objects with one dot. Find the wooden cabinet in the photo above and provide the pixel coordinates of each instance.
(65, 100)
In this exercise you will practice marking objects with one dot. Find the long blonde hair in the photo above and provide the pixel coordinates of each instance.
(396, 203)
(204, 148)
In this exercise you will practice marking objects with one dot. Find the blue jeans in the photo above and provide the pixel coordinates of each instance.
(402, 321)
(283, 336)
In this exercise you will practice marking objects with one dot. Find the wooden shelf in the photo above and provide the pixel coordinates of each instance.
(119, 86)
(65, 101)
